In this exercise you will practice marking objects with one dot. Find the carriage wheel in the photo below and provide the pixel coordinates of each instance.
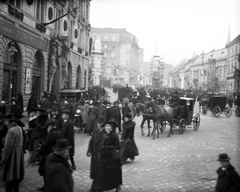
(237, 112)
(216, 111)
(228, 112)
(182, 126)
(196, 121)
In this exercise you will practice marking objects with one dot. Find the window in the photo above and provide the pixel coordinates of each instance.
(15, 3)
(40, 11)
(57, 24)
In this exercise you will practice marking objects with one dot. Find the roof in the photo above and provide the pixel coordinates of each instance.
(234, 41)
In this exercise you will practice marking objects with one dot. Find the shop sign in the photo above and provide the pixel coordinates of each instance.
(28, 78)
(22, 36)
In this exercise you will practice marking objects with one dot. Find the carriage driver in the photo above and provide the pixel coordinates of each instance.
(175, 103)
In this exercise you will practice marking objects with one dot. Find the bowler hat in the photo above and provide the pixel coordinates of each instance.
(66, 111)
(128, 115)
(9, 116)
(50, 121)
(61, 145)
(223, 157)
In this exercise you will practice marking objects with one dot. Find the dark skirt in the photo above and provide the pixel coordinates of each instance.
(108, 177)
(128, 150)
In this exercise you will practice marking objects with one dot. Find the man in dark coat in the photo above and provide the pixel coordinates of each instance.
(94, 148)
(13, 155)
(68, 133)
(125, 110)
(32, 102)
(47, 147)
(115, 114)
(70, 107)
(58, 173)
(228, 179)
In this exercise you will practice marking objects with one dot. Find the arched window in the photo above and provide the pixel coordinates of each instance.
(78, 78)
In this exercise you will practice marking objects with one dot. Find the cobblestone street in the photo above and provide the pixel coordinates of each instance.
(185, 162)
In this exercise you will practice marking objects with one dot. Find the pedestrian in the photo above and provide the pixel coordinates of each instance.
(68, 133)
(32, 102)
(228, 179)
(58, 174)
(129, 148)
(114, 113)
(125, 110)
(20, 103)
(93, 115)
(56, 114)
(94, 148)
(12, 162)
(85, 116)
(3, 108)
(3, 133)
(109, 173)
(46, 148)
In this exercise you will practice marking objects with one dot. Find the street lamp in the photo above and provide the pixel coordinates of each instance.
(12, 50)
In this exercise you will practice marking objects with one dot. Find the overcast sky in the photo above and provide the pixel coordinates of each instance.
(175, 29)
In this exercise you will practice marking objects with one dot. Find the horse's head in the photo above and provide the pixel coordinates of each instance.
(139, 108)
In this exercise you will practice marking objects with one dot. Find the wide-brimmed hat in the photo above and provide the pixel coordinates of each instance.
(61, 145)
(111, 122)
(128, 115)
(67, 111)
(9, 116)
(223, 157)
(50, 121)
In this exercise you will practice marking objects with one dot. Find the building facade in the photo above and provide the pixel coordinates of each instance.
(233, 65)
(121, 57)
(39, 53)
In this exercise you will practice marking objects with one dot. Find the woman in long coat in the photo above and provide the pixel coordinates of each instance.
(93, 115)
(85, 114)
(109, 173)
(129, 148)
(13, 155)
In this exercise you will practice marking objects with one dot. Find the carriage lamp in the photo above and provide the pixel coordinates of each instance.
(188, 102)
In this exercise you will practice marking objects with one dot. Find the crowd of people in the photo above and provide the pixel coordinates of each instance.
(50, 143)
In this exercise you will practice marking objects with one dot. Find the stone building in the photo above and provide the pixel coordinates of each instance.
(233, 65)
(39, 53)
(121, 55)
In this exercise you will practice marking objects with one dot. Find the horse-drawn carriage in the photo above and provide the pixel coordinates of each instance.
(180, 116)
(218, 104)
(185, 119)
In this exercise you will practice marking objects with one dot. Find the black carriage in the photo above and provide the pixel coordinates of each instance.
(186, 116)
(72, 95)
(237, 103)
(218, 104)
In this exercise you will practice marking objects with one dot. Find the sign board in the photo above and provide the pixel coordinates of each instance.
(28, 79)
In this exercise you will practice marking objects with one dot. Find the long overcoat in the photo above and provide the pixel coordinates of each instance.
(94, 148)
(85, 113)
(115, 114)
(109, 174)
(13, 154)
(228, 180)
(129, 148)
(58, 175)
(93, 115)
(68, 133)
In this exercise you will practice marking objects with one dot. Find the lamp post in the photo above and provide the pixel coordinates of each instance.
(12, 50)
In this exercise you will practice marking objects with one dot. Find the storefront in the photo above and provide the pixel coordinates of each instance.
(23, 61)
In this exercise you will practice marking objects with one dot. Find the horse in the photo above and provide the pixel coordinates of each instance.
(142, 109)
(160, 115)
